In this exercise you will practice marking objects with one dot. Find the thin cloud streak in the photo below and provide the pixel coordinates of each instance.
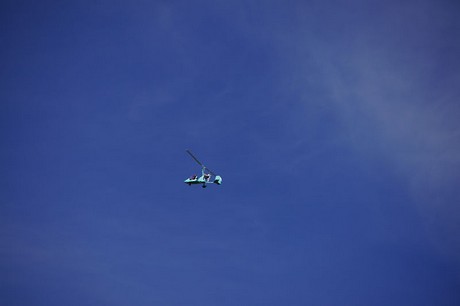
(390, 107)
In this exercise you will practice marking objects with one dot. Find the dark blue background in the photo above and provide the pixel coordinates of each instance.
(334, 125)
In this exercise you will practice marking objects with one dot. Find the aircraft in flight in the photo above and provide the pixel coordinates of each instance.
(206, 175)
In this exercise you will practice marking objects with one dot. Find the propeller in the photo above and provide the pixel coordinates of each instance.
(199, 163)
(196, 159)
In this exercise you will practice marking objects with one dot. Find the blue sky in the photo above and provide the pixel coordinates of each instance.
(334, 125)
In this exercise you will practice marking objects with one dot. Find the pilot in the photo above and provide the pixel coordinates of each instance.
(193, 177)
(207, 176)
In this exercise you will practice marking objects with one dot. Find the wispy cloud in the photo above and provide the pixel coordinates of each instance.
(417, 133)
(387, 79)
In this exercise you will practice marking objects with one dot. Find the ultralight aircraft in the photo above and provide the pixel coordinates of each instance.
(206, 175)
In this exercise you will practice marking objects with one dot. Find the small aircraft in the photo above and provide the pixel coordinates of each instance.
(206, 175)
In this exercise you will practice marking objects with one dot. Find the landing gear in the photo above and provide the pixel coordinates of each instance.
(204, 186)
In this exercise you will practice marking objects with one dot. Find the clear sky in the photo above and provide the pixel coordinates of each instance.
(334, 124)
